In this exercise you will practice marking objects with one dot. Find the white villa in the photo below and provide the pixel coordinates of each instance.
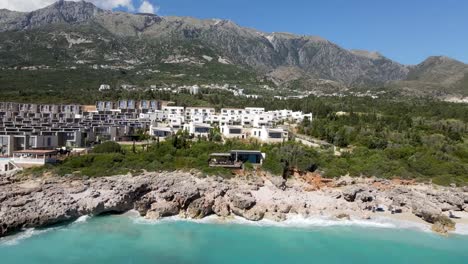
(238, 132)
(250, 122)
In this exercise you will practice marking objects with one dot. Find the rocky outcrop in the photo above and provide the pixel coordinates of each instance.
(349, 193)
(43, 202)
(200, 208)
(426, 210)
(162, 209)
(443, 225)
(242, 201)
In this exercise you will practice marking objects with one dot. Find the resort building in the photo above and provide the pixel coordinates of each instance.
(198, 129)
(47, 127)
(235, 159)
(270, 135)
(229, 131)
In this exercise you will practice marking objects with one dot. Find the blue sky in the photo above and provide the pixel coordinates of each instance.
(406, 31)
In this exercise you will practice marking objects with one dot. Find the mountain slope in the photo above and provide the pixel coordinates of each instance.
(67, 34)
(437, 76)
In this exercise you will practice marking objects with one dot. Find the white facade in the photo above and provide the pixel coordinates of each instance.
(202, 114)
(198, 129)
(238, 132)
(161, 132)
(252, 121)
(174, 110)
(270, 135)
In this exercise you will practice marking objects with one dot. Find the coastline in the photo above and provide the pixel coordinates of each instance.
(261, 200)
(405, 222)
(311, 222)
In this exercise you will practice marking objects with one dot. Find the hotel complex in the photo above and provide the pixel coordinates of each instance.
(30, 133)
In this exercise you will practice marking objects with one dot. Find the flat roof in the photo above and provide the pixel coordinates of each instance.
(247, 151)
(200, 107)
(220, 154)
(35, 151)
(163, 128)
(276, 130)
(201, 125)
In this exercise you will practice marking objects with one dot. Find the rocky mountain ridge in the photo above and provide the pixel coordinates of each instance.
(118, 37)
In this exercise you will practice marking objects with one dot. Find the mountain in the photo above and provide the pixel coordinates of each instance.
(437, 76)
(70, 34)
(59, 12)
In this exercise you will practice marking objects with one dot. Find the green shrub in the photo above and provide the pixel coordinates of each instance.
(108, 147)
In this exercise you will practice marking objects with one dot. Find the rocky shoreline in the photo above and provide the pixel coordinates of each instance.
(47, 201)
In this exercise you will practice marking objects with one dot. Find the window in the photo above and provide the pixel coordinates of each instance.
(235, 131)
(275, 135)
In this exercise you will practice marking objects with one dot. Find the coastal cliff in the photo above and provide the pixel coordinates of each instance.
(47, 201)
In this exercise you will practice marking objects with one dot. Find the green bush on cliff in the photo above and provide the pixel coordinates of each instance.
(108, 147)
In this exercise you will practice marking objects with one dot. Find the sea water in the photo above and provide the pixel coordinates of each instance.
(127, 239)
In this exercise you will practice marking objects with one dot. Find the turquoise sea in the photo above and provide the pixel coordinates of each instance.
(126, 239)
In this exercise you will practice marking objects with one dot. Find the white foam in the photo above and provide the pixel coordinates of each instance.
(25, 234)
(297, 221)
(461, 229)
(82, 219)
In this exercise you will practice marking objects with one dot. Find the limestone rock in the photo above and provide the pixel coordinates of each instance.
(185, 194)
(365, 196)
(349, 193)
(162, 209)
(443, 225)
(221, 207)
(200, 208)
(426, 210)
(144, 203)
(277, 181)
(242, 201)
(343, 216)
(275, 216)
(452, 199)
(255, 213)
(283, 208)
(345, 181)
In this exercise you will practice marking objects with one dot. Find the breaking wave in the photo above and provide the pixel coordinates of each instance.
(25, 234)
(296, 221)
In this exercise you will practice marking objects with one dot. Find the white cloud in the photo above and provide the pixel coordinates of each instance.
(147, 7)
(29, 5)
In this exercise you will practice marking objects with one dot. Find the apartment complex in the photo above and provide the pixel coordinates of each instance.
(50, 126)
(249, 122)
(29, 131)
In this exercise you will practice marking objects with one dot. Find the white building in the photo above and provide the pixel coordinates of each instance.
(198, 129)
(265, 119)
(255, 110)
(161, 132)
(232, 111)
(201, 112)
(176, 121)
(173, 110)
(270, 135)
(157, 116)
(238, 132)
(194, 89)
(104, 87)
